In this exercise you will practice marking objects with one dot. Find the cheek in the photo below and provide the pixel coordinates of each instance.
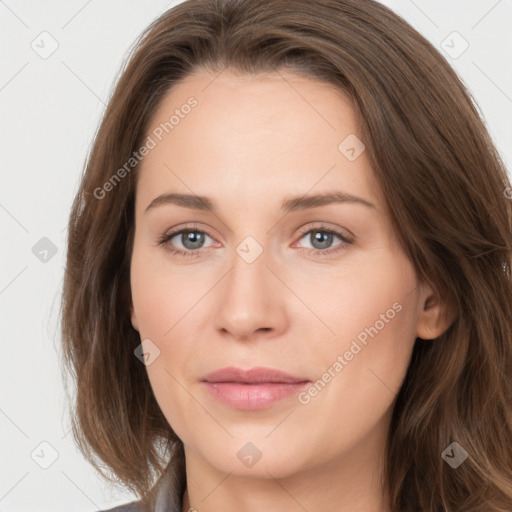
(161, 301)
(360, 370)
(356, 297)
(161, 295)
(164, 300)
(373, 315)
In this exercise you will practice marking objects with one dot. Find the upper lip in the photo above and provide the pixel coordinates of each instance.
(252, 375)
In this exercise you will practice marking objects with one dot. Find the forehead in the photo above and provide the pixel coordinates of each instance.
(272, 133)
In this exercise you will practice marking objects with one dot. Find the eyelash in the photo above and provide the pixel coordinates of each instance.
(346, 240)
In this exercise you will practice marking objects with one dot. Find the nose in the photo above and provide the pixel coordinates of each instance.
(251, 299)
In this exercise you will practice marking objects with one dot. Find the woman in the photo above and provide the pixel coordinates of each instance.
(288, 281)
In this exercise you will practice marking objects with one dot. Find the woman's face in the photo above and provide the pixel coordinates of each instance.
(262, 285)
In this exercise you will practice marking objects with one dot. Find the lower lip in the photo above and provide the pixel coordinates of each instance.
(253, 396)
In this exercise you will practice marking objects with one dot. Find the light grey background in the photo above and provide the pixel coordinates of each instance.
(49, 110)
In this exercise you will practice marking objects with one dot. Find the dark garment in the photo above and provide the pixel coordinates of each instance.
(167, 496)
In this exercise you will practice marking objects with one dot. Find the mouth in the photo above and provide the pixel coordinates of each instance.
(255, 388)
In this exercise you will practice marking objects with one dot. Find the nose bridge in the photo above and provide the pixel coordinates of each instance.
(250, 299)
(249, 275)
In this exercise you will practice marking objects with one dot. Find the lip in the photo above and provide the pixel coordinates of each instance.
(252, 376)
(254, 388)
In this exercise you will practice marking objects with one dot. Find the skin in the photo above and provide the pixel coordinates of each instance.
(252, 141)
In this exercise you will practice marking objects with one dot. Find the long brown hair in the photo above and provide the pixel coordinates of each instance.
(448, 193)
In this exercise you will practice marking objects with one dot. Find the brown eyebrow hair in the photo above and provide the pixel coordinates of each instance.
(290, 204)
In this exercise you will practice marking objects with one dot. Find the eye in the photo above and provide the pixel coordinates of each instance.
(321, 237)
(191, 240)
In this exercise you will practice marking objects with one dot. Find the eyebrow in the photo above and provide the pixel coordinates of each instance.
(290, 204)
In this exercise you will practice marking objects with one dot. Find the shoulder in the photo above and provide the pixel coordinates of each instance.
(128, 507)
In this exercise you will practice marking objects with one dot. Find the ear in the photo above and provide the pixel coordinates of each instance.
(135, 324)
(434, 317)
